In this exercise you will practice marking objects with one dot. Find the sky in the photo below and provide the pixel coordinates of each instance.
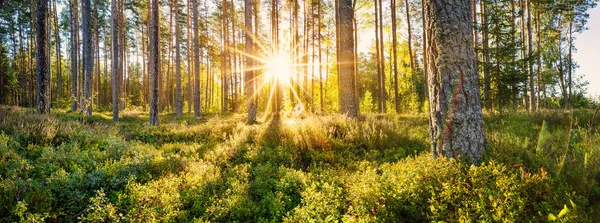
(588, 53)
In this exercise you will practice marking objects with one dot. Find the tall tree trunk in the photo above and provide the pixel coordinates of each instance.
(88, 55)
(22, 75)
(455, 113)
(487, 97)
(382, 58)
(58, 59)
(115, 58)
(515, 91)
(249, 73)
(570, 65)
(97, 51)
(166, 88)
(42, 77)
(224, 85)
(74, 55)
(539, 56)
(523, 53)
(320, 59)
(178, 96)
(410, 50)
(189, 57)
(380, 97)
(154, 63)
(197, 109)
(346, 79)
(425, 58)
(234, 67)
(394, 53)
(532, 100)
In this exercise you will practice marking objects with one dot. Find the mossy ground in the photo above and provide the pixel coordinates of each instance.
(329, 168)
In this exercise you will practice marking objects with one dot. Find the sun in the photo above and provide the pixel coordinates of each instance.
(279, 68)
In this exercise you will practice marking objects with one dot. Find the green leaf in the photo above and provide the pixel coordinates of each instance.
(564, 211)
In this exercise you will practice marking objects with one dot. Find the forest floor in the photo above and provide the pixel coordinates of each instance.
(538, 167)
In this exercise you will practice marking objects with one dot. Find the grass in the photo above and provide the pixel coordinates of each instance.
(538, 167)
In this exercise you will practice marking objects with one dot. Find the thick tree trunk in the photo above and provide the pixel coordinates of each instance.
(455, 112)
(249, 73)
(346, 79)
(88, 56)
(154, 63)
(197, 109)
(178, 96)
(42, 77)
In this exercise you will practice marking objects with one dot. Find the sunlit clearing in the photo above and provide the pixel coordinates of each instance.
(279, 68)
(290, 121)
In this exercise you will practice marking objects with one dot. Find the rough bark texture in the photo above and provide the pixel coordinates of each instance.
(74, 54)
(197, 111)
(88, 56)
(455, 111)
(532, 100)
(42, 77)
(114, 62)
(154, 63)
(178, 96)
(346, 80)
(248, 73)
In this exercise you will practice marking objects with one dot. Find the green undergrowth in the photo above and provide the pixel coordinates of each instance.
(63, 168)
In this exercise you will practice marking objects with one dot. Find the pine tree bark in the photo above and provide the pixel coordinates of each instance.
(74, 54)
(382, 58)
(378, 59)
(532, 97)
(346, 80)
(154, 63)
(178, 96)
(197, 109)
(42, 77)
(538, 56)
(115, 59)
(88, 56)
(455, 112)
(249, 73)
